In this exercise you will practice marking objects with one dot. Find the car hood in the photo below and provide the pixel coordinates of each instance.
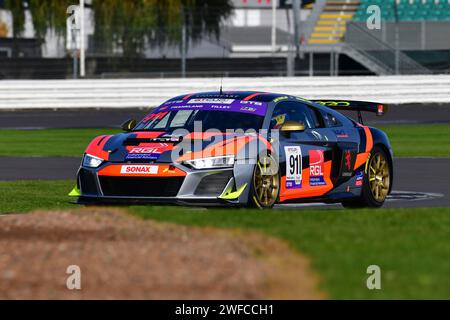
(164, 147)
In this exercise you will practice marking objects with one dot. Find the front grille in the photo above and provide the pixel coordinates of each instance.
(214, 184)
(140, 187)
(88, 183)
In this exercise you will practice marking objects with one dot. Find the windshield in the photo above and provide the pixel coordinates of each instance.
(205, 114)
(184, 119)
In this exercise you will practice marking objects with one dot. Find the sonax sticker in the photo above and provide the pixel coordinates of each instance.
(139, 169)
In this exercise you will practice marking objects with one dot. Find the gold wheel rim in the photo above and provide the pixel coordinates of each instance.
(379, 177)
(266, 181)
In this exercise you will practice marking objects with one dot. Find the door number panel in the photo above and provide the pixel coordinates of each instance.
(293, 167)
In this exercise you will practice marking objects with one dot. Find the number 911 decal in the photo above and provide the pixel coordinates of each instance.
(293, 167)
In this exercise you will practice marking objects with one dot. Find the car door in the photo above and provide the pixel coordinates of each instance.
(346, 146)
(305, 157)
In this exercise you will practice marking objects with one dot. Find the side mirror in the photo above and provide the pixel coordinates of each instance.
(128, 125)
(292, 126)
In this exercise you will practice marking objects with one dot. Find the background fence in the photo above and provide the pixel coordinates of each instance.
(383, 54)
(412, 35)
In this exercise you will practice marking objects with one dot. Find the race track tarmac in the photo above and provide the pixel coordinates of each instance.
(418, 182)
(112, 118)
(38, 168)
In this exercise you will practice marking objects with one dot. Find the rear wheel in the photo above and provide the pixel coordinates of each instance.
(265, 183)
(377, 182)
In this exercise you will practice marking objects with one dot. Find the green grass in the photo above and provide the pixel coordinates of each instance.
(49, 142)
(411, 246)
(419, 140)
(407, 141)
(24, 196)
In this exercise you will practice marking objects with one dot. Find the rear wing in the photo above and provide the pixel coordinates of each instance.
(358, 106)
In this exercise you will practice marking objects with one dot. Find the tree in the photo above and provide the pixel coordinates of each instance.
(129, 24)
(47, 14)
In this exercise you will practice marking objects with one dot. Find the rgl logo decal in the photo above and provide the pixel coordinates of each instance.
(316, 168)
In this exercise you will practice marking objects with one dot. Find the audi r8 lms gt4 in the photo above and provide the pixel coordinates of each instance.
(244, 149)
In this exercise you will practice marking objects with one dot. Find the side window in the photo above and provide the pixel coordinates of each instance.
(319, 123)
(293, 111)
(330, 120)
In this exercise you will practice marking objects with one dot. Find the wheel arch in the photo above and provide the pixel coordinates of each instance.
(381, 140)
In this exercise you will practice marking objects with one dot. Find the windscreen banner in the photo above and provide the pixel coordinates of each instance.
(216, 104)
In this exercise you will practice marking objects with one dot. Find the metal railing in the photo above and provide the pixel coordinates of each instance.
(310, 23)
(380, 53)
(414, 35)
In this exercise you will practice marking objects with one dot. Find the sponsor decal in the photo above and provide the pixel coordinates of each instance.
(146, 153)
(341, 134)
(187, 107)
(211, 104)
(228, 95)
(172, 138)
(220, 107)
(211, 101)
(142, 156)
(348, 160)
(280, 99)
(252, 103)
(139, 169)
(316, 168)
(166, 104)
(334, 103)
(293, 167)
(359, 178)
(170, 169)
(146, 150)
(249, 109)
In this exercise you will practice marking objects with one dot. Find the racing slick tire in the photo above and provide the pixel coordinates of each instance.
(377, 182)
(265, 184)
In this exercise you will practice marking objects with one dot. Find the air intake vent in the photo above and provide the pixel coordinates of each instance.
(214, 184)
(140, 187)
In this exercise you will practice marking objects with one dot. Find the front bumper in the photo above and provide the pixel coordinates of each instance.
(185, 186)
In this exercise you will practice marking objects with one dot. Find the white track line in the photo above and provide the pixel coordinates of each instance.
(426, 196)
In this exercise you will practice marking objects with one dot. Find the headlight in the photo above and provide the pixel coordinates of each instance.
(91, 161)
(211, 163)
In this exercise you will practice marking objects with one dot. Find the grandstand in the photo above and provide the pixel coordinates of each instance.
(330, 26)
(413, 34)
(416, 10)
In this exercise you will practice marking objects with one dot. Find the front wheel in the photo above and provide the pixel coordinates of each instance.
(265, 183)
(377, 182)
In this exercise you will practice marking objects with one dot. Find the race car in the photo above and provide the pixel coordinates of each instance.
(252, 149)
